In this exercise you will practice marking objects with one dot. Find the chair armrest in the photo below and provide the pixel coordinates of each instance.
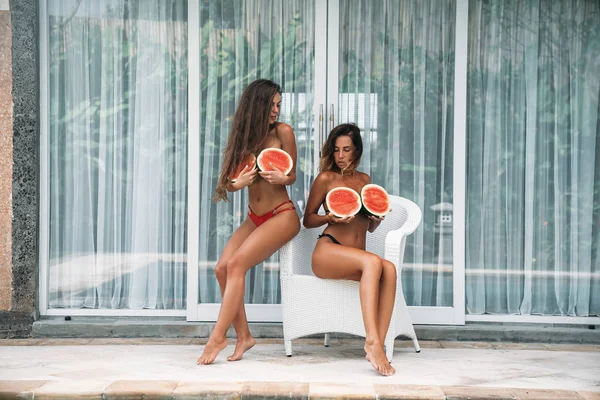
(395, 240)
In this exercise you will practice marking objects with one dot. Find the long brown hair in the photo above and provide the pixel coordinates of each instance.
(249, 129)
(327, 162)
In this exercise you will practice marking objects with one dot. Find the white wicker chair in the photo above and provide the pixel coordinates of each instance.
(312, 305)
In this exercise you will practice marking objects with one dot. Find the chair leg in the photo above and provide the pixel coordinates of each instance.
(389, 349)
(326, 342)
(288, 347)
(416, 344)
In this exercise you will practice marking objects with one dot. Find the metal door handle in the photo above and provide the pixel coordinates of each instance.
(331, 119)
(321, 121)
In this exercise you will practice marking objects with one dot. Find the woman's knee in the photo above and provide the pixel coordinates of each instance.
(235, 266)
(389, 268)
(221, 270)
(373, 263)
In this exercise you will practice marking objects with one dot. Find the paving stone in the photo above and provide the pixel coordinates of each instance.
(572, 347)
(20, 342)
(208, 390)
(465, 345)
(518, 346)
(409, 392)
(167, 341)
(79, 389)
(146, 390)
(275, 390)
(476, 393)
(113, 341)
(328, 391)
(543, 394)
(19, 389)
(65, 342)
(589, 395)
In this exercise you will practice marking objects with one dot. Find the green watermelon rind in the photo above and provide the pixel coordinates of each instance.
(255, 164)
(364, 208)
(359, 202)
(268, 149)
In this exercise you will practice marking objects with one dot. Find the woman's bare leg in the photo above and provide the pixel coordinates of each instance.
(334, 261)
(262, 243)
(245, 341)
(387, 296)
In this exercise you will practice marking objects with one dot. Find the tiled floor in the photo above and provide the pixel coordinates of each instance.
(112, 368)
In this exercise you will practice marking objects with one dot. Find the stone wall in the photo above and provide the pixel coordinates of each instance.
(6, 136)
(19, 29)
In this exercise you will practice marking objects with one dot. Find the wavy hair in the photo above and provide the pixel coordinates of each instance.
(248, 131)
(327, 162)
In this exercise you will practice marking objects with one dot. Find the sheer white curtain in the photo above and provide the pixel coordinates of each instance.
(397, 84)
(533, 187)
(243, 40)
(118, 155)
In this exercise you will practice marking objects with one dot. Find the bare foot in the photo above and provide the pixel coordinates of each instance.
(242, 346)
(378, 360)
(211, 350)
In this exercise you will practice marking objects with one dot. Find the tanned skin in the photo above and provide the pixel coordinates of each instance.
(251, 245)
(377, 277)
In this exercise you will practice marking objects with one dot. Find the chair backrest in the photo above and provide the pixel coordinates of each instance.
(394, 220)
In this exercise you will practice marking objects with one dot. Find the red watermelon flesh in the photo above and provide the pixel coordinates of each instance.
(343, 202)
(250, 161)
(375, 200)
(272, 159)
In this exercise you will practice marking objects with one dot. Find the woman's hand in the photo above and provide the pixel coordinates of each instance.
(246, 178)
(374, 222)
(332, 219)
(275, 177)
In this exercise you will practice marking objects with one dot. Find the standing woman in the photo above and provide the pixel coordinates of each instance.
(272, 220)
(340, 250)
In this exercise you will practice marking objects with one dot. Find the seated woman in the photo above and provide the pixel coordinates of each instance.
(340, 250)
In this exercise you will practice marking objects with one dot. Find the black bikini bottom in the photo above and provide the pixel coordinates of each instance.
(334, 240)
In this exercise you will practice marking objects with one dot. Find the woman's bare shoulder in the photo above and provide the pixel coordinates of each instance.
(325, 177)
(365, 178)
(284, 130)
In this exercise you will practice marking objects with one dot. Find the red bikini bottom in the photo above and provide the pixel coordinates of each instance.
(261, 219)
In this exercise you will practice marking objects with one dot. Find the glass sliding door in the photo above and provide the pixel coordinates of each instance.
(113, 153)
(533, 210)
(391, 70)
(235, 43)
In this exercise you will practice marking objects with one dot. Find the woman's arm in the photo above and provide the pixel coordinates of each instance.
(288, 144)
(246, 178)
(318, 191)
(374, 223)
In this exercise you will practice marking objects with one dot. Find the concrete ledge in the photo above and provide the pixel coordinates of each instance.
(94, 327)
(177, 390)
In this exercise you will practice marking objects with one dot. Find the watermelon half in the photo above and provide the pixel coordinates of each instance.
(272, 159)
(375, 200)
(343, 202)
(250, 161)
